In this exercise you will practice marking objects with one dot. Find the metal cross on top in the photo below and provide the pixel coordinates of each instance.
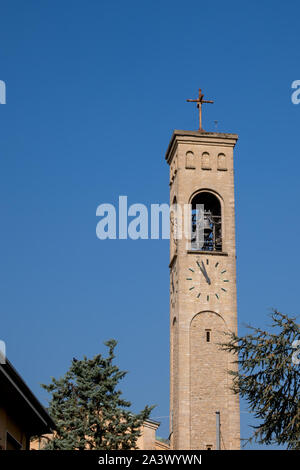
(199, 102)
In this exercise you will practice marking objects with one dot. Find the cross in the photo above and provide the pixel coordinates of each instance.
(199, 102)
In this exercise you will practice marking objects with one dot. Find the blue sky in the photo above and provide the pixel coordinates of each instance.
(94, 91)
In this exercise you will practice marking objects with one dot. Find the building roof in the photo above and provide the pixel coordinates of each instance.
(19, 401)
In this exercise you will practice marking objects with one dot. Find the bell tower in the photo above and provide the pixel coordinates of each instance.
(202, 289)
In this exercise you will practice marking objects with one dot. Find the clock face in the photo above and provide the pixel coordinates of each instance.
(208, 279)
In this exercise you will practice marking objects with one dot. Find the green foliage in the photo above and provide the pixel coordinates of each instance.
(88, 410)
(269, 380)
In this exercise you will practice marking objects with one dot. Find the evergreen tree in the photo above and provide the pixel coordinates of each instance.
(88, 409)
(269, 379)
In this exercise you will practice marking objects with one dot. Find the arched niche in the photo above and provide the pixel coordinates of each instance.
(208, 375)
(205, 161)
(190, 160)
(221, 164)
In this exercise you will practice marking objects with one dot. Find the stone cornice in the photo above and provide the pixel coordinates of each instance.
(197, 137)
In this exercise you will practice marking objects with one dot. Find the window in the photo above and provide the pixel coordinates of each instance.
(208, 335)
(206, 228)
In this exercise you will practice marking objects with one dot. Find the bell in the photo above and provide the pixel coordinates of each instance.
(207, 224)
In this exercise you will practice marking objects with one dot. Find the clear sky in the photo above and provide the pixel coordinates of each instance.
(94, 91)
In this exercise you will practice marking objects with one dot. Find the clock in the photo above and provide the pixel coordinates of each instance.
(208, 280)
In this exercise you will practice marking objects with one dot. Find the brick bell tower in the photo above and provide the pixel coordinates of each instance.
(202, 290)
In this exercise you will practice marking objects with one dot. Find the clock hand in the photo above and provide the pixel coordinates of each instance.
(201, 269)
(204, 272)
(204, 269)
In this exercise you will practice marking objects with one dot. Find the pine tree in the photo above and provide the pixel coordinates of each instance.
(269, 379)
(88, 409)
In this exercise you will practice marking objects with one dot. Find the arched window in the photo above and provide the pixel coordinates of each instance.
(206, 222)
